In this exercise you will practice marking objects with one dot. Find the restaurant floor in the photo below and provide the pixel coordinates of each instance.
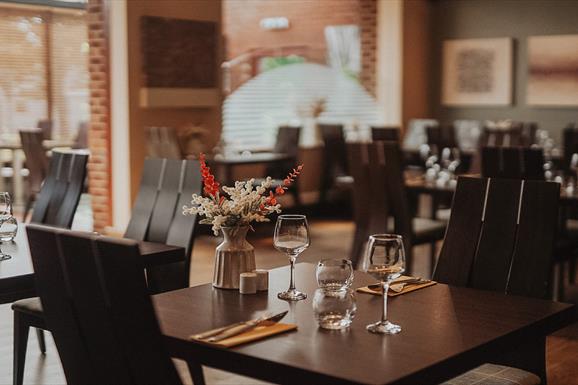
(330, 239)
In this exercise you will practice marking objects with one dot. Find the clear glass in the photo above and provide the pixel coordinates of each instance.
(385, 261)
(292, 238)
(334, 309)
(334, 274)
(8, 224)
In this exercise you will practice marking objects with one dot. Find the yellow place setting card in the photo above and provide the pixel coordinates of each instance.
(394, 293)
(259, 333)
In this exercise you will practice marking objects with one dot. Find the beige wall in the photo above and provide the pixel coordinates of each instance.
(210, 118)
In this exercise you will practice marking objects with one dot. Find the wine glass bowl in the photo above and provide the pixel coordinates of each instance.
(8, 224)
(291, 237)
(385, 261)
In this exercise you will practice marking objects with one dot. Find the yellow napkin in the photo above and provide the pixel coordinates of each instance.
(391, 293)
(258, 333)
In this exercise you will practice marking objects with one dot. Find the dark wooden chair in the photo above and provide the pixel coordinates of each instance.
(440, 137)
(166, 186)
(45, 125)
(570, 143)
(163, 142)
(97, 306)
(380, 200)
(61, 190)
(334, 157)
(387, 133)
(513, 162)
(81, 140)
(36, 162)
(510, 137)
(500, 237)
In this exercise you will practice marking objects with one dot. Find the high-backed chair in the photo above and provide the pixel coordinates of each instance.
(81, 140)
(45, 125)
(388, 133)
(500, 237)
(166, 186)
(58, 198)
(36, 162)
(441, 136)
(334, 157)
(98, 309)
(570, 143)
(163, 142)
(508, 137)
(380, 200)
(513, 162)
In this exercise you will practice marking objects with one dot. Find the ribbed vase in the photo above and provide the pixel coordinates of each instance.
(232, 257)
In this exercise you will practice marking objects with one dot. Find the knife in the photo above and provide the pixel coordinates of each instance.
(247, 326)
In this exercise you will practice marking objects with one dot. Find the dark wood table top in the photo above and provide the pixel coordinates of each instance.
(445, 330)
(253, 158)
(17, 274)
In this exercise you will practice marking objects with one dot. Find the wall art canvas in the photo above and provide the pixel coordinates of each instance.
(552, 71)
(477, 72)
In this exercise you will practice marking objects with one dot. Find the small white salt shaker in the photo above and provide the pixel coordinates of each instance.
(262, 279)
(248, 283)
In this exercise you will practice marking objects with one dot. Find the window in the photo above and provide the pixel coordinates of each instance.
(43, 68)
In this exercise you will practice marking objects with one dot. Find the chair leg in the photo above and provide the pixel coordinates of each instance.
(196, 372)
(41, 340)
(21, 329)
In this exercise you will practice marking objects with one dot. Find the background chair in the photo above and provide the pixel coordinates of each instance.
(36, 162)
(45, 125)
(513, 162)
(501, 137)
(388, 133)
(500, 237)
(440, 137)
(98, 309)
(570, 144)
(334, 157)
(163, 142)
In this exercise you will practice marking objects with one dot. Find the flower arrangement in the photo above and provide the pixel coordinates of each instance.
(239, 205)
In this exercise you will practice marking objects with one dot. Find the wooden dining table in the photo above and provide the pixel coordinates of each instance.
(17, 274)
(445, 331)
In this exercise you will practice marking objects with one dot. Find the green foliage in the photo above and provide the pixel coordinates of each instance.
(269, 63)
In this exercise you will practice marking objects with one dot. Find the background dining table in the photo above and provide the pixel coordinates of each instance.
(445, 331)
(228, 162)
(17, 274)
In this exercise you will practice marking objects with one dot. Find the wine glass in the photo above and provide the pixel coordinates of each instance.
(292, 238)
(384, 260)
(8, 224)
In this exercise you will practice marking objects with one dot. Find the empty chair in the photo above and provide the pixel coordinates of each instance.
(81, 140)
(334, 157)
(570, 143)
(36, 162)
(163, 142)
(45, 126)
(61, 190)
(380, 200)
(386, 133)
(500, 237)
(98, 309)
(502, 137)
(513, 162)
(166, 186)
(441, 136)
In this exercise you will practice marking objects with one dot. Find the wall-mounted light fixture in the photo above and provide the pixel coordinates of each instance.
(274, 23)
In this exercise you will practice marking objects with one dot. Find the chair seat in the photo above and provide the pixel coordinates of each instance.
(31, 306)
(491, 374)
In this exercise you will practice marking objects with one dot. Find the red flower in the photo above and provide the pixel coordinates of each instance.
(279, 190)
(211, 187)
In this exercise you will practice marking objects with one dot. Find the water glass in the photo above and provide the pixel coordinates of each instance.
(334, 274)
(334, 309)
(292, 238)
(8, 224)
(385, 261)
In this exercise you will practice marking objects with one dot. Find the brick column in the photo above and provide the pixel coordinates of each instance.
(99, 172)
(368, 30)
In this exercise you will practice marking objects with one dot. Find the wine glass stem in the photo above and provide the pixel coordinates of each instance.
(292, 259)
(385, 288)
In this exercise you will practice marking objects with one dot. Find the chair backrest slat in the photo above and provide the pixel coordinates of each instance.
(513, 162)
(385, 133)
(358, 159)
(164, 208)
(500, 236)
(44, 197)
(145, 201)
(334, 156)
(36, 159)
(287, 143)
(76, 177)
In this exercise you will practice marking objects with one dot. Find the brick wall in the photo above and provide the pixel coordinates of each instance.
(308, 19)
(99, 175)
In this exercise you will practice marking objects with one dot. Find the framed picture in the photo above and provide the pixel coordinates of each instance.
(552, 71)
(477, 72)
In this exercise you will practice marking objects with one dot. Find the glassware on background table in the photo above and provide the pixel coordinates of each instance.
(334, 274)
(292, 238)
(385, 261)
(334, 309)
(8, 224)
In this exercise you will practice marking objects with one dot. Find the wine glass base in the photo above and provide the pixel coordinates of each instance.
(292, 295)
(382, 327)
